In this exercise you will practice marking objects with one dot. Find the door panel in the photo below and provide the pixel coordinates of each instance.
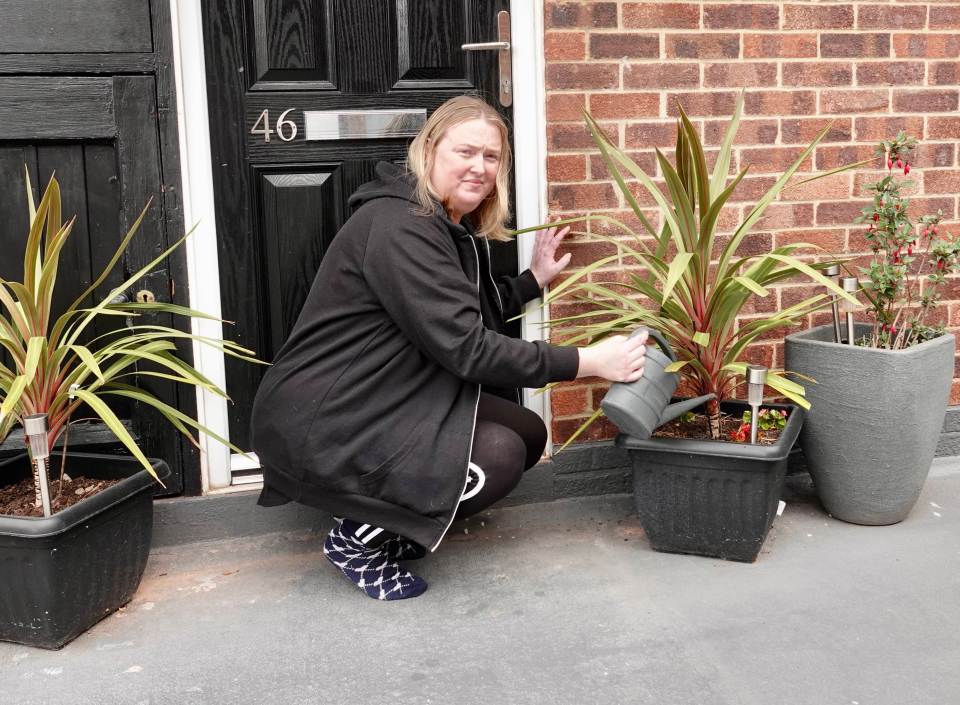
(281, 198)
(106, 178)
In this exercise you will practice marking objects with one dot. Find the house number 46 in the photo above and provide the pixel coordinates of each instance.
(286, 129)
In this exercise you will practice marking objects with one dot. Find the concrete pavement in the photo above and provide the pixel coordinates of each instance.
(560, 602)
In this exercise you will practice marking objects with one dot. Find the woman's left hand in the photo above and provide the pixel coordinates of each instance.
(544, 265)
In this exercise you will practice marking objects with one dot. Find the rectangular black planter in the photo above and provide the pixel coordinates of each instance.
(62, 574)
(710, 498)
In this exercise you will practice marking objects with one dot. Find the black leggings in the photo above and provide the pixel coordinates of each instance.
(508, 440)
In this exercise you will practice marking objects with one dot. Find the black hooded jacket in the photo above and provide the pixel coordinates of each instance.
(369, 408)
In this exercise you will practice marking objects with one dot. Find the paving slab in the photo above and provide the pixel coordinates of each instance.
(560, 602)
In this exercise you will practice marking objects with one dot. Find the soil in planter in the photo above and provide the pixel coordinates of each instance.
(18, 499)
(698, 429)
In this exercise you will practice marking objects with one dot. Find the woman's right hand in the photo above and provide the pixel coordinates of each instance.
(617, 358)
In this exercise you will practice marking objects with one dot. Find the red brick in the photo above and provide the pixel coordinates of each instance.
(661, 75)
(932, 154)
(925, 101)
(779, 46)
(779, 216)
(792, 295)
(926, 45)
(772, 159)
(582, 75)
(759, 354)
(780, 103)
(624, 45)
(741, 16)
(702, 103)
(574, 14)
(894, 16)
(661, 15)
(831, 241)
(943, 128)
(890, 73)
(566, 167)
(703, 46)
(838, 46)
(559, 46)
(647, 161)
(602, 429)
(833, 157)
(932, 204)
(941, 181)
(752, 188)
(944, 73)
(739, 74)
(818, 17)
(865, 176)
(876, 129)
(570, 401)
(748, 132)
(804, 130)
(821, 73)
(651, 134)
(755, 243)
(565, 106)
(851, 101)
(947, 17)
(576, 136)
(839, 212)
(831, 187)
(585, 253)
(624, 106)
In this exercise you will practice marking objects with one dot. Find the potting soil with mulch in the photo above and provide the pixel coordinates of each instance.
(18, 499)
(698, 430)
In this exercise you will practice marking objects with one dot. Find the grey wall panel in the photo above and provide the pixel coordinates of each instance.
(82, 26)
(61, 108)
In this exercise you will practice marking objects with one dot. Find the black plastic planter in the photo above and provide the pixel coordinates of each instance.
(710, 498)
(62, 574)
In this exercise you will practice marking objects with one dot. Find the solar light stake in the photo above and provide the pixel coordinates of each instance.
(832, 271)
(756, 378)
(851, 285)
(35, 429)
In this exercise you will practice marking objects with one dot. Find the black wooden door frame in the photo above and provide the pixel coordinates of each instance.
(197, 172)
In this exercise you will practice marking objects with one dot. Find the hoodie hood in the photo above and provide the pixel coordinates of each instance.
(392, 182)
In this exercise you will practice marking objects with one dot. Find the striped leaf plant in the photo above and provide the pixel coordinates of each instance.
(52, 368)
(693, 286)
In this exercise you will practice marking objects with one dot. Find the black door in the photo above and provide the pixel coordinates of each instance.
(99, 135)
(275, 71)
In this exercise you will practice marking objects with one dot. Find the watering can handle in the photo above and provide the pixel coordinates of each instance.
(661, 341)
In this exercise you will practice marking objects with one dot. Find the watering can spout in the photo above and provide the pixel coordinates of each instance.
(674, 410)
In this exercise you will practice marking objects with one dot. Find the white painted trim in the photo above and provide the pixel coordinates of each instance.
(196, 174)
(530, 155)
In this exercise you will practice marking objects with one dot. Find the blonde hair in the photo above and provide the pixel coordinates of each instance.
(490, 217)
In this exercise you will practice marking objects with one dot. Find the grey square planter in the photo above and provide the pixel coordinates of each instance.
(710, 498)
(872, 430)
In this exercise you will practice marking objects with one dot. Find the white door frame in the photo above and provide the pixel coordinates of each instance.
(197, 194)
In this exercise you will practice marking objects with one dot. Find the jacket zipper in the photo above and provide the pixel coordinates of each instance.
(496, 291)
(473, 430)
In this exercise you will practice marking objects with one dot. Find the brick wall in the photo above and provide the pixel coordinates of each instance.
(872, 68)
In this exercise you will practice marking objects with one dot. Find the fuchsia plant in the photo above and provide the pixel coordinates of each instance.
(911, 260)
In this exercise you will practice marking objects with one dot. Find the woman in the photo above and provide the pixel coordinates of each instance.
(386, 405)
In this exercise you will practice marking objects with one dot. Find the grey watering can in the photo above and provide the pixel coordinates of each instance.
(638, 408)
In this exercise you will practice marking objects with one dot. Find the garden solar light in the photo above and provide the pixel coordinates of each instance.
(832, 271)
(35, 429)
(851, 285)
(756, 378)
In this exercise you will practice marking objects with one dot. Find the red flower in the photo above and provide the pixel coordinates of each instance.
(899, 163)
(742, 434)
(889, 163)
(876, 217)
(906, 169)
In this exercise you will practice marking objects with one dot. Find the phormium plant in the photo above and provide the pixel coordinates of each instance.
(694, 286)
(910, 260)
